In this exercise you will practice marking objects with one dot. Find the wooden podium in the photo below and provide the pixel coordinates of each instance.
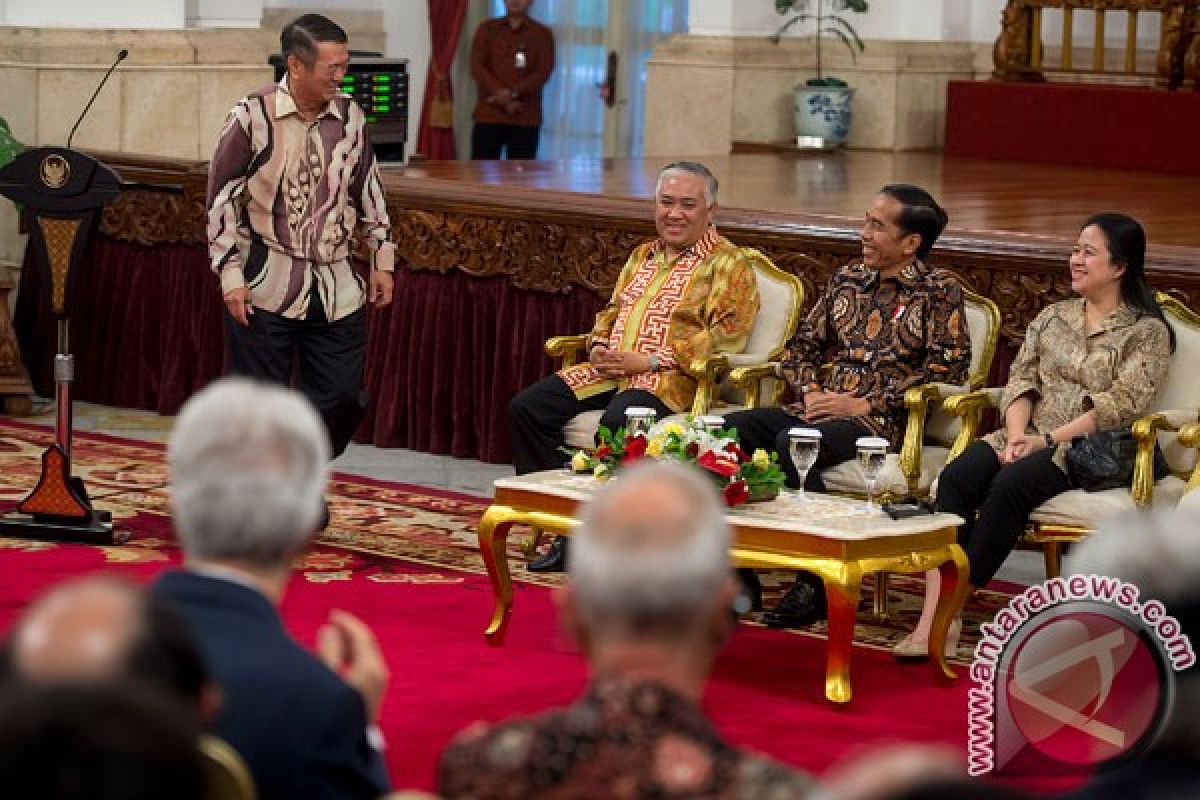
(63, 191)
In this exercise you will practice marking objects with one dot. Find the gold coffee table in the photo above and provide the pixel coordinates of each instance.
(830, 536)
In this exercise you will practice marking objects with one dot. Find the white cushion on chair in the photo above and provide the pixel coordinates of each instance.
(845, 477)
(1191, 501)
(580, 432)
(1084, 509)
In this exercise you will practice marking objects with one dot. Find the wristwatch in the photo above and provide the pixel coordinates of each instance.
(654, 362)
(1049, 440)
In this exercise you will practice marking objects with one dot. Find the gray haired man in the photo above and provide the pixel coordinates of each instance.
(248, 468)
(649, 602)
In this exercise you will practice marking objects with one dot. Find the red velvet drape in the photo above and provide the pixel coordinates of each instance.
(445, 26)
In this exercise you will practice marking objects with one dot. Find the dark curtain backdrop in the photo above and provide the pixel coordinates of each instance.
(443, 365)
(145, 327)
(443, 362)
(445, 26)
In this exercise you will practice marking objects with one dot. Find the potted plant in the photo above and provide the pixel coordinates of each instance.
(823, 105)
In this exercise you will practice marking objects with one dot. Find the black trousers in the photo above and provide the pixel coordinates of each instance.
(767, 428)
(539, 412)
(519, 141)
(328, 357)
(996, 500)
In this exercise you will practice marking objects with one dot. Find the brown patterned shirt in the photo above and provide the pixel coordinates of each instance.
(620, 740)
(286, 195)
(1116, 370)
(883, 337)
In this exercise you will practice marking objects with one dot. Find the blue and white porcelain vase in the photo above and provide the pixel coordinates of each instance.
(824, 111)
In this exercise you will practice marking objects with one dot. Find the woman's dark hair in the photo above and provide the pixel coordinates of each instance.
(1126, 242)
(920, 214)
(301, 36)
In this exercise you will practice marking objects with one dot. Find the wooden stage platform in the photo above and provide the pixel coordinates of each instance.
(991, 196)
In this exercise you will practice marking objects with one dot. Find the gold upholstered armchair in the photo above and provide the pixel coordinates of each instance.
(781, 297)
(1072, 515)
(1189, 436)
(929, 432)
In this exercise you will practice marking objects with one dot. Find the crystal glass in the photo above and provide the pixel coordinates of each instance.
(872, 453)
(803, 446)
(711, 422)
(638, 420)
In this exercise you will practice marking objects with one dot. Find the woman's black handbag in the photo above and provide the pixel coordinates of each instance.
(1104, 460)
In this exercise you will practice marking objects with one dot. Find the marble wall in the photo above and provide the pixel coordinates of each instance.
(705, 92)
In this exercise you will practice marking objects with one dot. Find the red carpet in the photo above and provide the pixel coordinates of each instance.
(766, 693)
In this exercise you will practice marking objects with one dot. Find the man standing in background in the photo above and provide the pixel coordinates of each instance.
(511, 60)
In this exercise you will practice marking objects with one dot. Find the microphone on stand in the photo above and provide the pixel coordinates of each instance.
(120, 57)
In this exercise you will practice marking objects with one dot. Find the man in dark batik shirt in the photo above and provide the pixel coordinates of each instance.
(649, 601)
(885, 323)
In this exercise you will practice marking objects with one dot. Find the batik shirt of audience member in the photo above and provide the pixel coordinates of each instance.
(882, 337)
(618, 741)
(703, 302)
(1115, 371)
(285, 197)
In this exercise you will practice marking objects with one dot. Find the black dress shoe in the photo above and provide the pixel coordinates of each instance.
(553, 560)
(803, 604)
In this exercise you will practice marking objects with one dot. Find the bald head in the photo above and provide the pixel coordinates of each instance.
(79, 631)
(650, 556)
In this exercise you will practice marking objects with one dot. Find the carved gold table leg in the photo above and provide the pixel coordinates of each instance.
(493, 537)
(843, 584)
(955, 572)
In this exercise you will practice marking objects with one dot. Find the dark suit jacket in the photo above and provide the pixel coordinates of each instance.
(300, 728)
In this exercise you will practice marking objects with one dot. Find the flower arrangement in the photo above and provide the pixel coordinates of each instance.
(740, 476)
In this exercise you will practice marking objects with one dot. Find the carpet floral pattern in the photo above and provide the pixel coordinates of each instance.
(375, 527)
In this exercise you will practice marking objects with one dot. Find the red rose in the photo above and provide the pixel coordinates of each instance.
(741, 455)
(603, 451)
(693, 450)
(736, 493)
(635, 448)
(714, 463)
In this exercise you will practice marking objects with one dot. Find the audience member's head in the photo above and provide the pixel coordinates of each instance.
(1157, 552)
(248, 470)
(650, 565)
(97, 742)
(101, 629)
(685, 200)
(301, 36)
(694, 169)
(919, 214)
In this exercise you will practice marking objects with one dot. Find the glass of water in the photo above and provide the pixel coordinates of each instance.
(803, 446)
(639, 420)
(711, 423)
(872, 453)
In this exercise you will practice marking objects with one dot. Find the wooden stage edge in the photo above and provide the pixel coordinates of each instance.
(554, 226)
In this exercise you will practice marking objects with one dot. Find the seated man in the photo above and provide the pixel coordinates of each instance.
(649, 602)
(103, 630)
(887, 323)
(687, 294)
(248, 467)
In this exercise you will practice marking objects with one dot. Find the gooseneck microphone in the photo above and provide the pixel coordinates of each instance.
(120, 57)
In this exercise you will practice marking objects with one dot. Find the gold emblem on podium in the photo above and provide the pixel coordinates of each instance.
(55, 171)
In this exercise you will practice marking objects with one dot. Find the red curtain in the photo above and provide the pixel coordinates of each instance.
(445, 26)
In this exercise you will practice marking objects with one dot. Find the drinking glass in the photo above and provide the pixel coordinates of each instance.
(803, 446)
(638, 420)
(712, 422)
(872, 453)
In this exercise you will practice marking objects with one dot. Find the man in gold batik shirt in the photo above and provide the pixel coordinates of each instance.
(689, 293)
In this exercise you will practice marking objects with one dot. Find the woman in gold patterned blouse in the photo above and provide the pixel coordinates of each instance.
(1089, 363)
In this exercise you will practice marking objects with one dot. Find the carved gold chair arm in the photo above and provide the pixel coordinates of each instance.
(969, 406)
(1189, 436)
(567, 348)
(750, 379)
(708, 371)
(1145, 433)
(919, 400)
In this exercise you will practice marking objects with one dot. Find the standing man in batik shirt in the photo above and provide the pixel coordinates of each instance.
(293, 178)
(886, 323)
(511, 60)
(687, 294)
